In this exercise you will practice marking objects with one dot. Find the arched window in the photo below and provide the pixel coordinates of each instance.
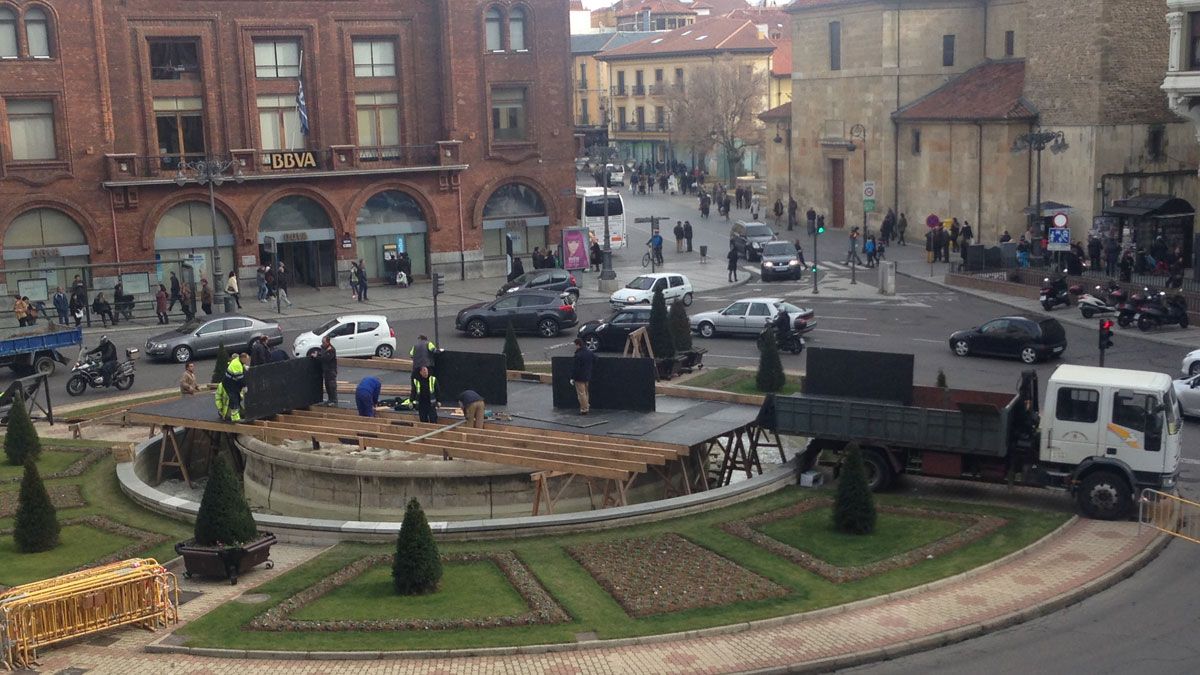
(516, 29)
(389, 207)
(8, 33)
(37, 33)
(294, 212)
(492, 25)
(514, 200)
(39, 228)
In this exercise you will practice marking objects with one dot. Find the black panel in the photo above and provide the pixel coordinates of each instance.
(485, 374)
(878, 376)
(617, 383)
(273, 388)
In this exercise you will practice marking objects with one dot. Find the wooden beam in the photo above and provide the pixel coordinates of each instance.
(511, 460)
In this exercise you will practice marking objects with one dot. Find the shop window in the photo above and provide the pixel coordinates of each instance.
(180, 126)
(279, 123)
(947, 50)
(509, 115)
(8, 33)
(174, 59)
(374, 58)
(516, 29)
(276, 58)
(378, 117)
(31, 130)
(493, 30)
(37, 33)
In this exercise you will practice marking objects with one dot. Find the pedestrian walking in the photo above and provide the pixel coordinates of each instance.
(687, 234)
(678, 232)
(473, 407)
(1112, 253)
(810, 217)
(187, 302)
(966, 236)
(327, 357)
(424, 394)
(176, 291)
(581, 375)
(206, 297)
(62, 306)
(732, 257)
(901, 226)
(161, 304)
(260, 277)
(852, 247)
(755, 206)
(596, 257)
(362, 280)
(778, 211)
(188, 386)
(955, 229)
(366, 395)
(231, 288)
(1094, 249)
(281, 284)
(869, 249)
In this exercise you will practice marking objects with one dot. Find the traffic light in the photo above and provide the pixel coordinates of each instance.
(820, 228)
(439, 284)
(1106, 334)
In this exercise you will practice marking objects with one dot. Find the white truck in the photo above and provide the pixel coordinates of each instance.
(1103, 434)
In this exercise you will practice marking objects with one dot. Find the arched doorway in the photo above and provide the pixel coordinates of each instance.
(44, 244)
(184, 234)
(304, 236)
(392, 222)
(514, 213)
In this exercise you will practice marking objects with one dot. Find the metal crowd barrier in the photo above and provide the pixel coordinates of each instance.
(1171, 514)
(138, 591)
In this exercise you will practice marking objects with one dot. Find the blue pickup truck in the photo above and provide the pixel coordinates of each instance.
(32, 353)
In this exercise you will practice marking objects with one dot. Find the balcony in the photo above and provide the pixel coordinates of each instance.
(335, 160)
(581, 85)
(619, 90)
(639, 90)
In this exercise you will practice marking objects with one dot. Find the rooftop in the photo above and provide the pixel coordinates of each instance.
(992, 90)
(594, 43)
(655, 7)
(714, 35)
(780, 113)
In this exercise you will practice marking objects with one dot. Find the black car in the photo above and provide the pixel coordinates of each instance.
(1028, 338)
(611, 334)
(558, 280)
(538, 312)
(779, 261)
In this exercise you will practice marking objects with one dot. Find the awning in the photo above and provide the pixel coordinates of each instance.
(1144, 206)
(1048, 208)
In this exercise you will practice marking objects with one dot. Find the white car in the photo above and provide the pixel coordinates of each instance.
(640, 291)
(350, 335)
(1191, 363)
(616, 174)
(1187, 391)
(750, 316)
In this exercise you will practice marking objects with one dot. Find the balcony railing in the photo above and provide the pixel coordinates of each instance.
(125, 167)
(619, 90)
(581, 85)
(639, 90)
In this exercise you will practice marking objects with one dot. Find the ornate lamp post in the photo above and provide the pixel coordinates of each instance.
(602, 156)
(1037, 141)
(210, 172)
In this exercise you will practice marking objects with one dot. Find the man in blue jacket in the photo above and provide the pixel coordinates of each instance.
(366, 396)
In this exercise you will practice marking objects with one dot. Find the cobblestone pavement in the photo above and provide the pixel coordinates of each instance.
(1078, 559)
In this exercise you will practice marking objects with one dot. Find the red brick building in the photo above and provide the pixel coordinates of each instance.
(439, 128)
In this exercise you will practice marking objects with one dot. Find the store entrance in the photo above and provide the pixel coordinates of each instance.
(308, 263)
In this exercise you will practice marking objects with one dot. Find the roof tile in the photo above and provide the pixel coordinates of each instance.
(990, 91)
(709, 35)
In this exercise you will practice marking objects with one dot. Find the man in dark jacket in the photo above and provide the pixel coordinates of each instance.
(176, 293)
(424, 395)
(473, 407)
(423, 353)
(581, 375)
(328, 359)
(687, 234)
(1094, 249)
(260, 353)
(107, 352)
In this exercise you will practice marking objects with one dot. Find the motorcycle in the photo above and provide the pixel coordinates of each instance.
(793, 343)
(1055, 292)
(1127, 312)
(89, 373)
(1103, 301)
(1163, 310)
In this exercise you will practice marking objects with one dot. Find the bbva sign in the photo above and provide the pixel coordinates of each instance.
(293, 160)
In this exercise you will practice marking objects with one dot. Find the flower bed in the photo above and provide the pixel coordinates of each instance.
(668, 573)
(66, 496)
(142, 540)
(76, 468)
(975, 527)
(542, 609)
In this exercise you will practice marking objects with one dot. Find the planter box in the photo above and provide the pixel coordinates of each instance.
(225, 562)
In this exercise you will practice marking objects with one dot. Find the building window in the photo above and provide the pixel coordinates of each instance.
(174, 59)
(1194, 42)
(947, 50)
(622, 121)
(8, 34)
(835, 45)
(493, 30)
(583, 112)
(583, 76)
(509, 118)
(679, 77)
(31, 129)
(378, 125)
(277, 58)
(1156, 142)
(660, 117)
(640, 112)
(658, 76)
(37, 33)
(1010, 43)
(180, 126)
(374, 58)
(516, 29)
(279, 123)
(916, 141)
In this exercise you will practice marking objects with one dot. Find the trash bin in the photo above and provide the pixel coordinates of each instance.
(703, 253)
(228, 304)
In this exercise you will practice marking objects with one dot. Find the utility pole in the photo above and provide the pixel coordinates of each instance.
(439, 287)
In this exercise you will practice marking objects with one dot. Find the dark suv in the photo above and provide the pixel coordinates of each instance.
(1028, 338)
(543, 280)
(538, 312)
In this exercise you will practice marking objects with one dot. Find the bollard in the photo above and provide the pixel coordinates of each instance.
(852, 279)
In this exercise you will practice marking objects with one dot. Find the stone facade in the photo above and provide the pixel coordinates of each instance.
(111, 177)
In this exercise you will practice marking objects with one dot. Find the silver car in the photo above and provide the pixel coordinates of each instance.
(203, 337)
(750, 316)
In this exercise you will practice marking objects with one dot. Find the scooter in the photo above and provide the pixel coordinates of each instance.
(1127, 313)
(1055, 292)
(1162, 310)
(1103, 301)
(792, 343)
(89, 373)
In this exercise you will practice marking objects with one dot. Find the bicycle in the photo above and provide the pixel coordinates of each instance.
(646, 257)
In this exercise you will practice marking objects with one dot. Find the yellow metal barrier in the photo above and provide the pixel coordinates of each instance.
(1168, 513)
(138, 591)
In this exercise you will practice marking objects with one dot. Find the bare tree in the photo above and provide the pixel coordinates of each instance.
(718, 107)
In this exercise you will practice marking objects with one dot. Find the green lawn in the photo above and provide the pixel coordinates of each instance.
(468, 590)
(80, 544)
(49, 462)
(738, 381)
(591, 608)
(813, 532)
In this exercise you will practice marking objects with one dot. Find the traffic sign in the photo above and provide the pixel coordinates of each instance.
(1060, 239)
(1060, 220)
(868, 193)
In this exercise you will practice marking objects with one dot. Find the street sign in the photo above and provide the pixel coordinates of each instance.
(868, 193)
(1060, 239)
(1060, 220)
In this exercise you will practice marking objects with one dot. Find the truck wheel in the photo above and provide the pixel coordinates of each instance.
(43, 365)
(879, 472)
(1104, 495)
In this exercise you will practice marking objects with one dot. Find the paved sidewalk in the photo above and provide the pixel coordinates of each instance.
(1081, 558)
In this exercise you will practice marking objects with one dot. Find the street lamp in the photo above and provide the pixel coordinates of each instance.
(603, 155)
(860, 132)
(210, 172)
(1037, 141)
(788, 147)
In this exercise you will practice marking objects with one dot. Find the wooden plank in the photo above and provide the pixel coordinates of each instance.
(511, 460)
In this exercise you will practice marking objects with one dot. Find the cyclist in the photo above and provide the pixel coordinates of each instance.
(656, 244)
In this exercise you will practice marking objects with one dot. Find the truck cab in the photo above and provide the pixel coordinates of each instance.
(1110, 432)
